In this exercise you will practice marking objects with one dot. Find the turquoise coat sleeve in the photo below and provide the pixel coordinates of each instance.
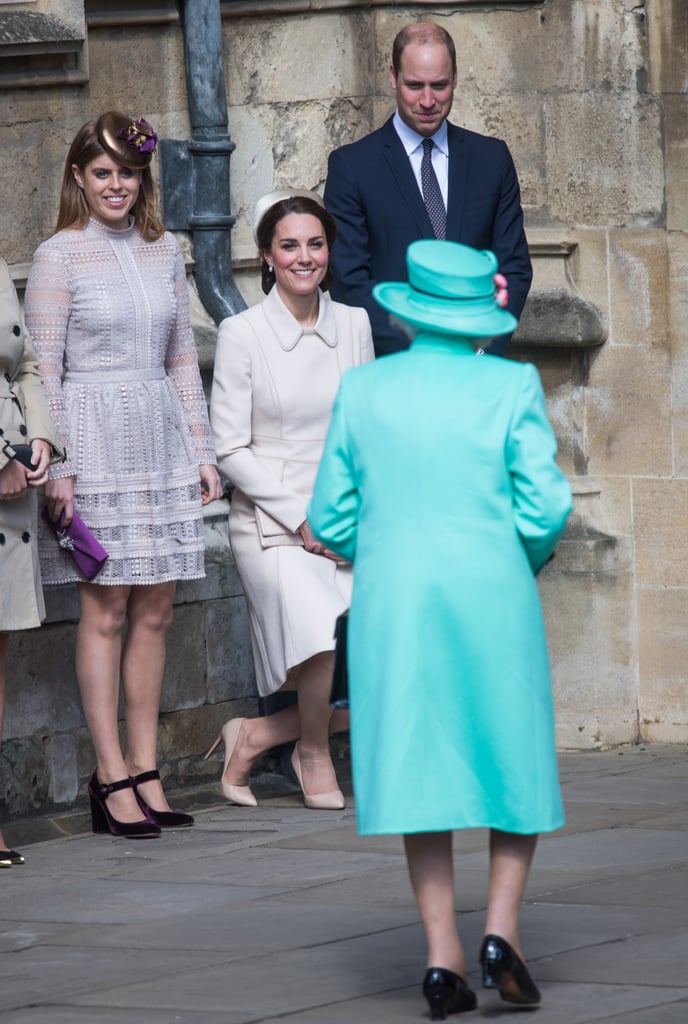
(333, 511)
(540, 492)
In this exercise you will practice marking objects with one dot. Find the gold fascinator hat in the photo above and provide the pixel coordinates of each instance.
(129, 140)
(278, 196)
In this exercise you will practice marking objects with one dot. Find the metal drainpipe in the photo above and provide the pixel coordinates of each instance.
(195, 174)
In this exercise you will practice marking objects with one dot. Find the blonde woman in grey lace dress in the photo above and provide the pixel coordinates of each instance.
(108, 310)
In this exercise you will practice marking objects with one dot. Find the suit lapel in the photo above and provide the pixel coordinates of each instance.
(400, 168)
(458, 175)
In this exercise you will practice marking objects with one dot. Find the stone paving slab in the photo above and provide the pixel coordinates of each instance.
(281, 914)
(246, 930)
(110, 902)
(659, 957)
(567, 1004)
(253, 987)
(47, 974)
(651, 890)
(551, 930)
(55, 1014)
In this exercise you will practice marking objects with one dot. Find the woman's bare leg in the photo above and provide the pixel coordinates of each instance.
(149, 614)
(510, 858)
(98, 655)
(313, 682)
(431, 869)
(314, 685)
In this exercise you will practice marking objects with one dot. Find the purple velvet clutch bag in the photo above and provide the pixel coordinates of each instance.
(88, 553)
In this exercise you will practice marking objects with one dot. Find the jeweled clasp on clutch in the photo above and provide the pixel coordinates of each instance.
(65, 542)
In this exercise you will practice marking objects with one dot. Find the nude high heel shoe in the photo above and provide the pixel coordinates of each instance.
(229, 735)
(333, 801)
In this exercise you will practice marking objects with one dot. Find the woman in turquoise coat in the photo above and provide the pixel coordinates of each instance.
(439, 482)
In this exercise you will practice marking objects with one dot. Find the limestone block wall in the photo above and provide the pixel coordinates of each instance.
(592, 98)
(47, 754)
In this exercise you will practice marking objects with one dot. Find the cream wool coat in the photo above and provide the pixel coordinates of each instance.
(24, 417)
(274, 385)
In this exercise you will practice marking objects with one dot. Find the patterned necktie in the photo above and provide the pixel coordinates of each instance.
(432, 195)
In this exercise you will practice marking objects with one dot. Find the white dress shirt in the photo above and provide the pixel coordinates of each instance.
(413, 144)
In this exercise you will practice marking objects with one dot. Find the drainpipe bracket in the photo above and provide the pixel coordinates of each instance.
(215, 147)
(175, 182)
(200, 223)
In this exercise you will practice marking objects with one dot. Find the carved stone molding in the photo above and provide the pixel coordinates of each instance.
(255, 8)
(121, 13)
(556, 315)
(42, 42)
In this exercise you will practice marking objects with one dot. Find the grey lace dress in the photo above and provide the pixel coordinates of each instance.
(109, 316)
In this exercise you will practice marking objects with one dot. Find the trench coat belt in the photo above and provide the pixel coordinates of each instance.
(6, 387)
(291, 449)
(114, 376)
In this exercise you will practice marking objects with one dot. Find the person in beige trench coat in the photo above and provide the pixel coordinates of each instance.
(277, 369)
(24, 419)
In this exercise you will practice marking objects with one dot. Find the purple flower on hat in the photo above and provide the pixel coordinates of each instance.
(139, 135)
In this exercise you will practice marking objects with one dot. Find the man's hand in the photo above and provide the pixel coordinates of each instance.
(41, 461)
(12, 481)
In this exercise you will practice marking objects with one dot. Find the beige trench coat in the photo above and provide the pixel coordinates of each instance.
(274, 385)
(24, 417)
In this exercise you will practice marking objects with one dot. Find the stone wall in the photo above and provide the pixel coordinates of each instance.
(591, 96)
(47, 754)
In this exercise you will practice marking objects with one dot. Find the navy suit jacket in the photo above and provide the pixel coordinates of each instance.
(372, 193)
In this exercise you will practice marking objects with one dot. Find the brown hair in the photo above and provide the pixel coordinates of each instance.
(74, 211)
(422, 32)
(265, 232)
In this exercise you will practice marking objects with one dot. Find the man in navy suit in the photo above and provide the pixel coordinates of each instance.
(380, 189)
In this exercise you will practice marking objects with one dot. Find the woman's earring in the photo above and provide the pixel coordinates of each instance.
(271, 269)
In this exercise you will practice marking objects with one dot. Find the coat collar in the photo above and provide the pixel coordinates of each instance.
(411, 140)
(289, 331)
(450, 344)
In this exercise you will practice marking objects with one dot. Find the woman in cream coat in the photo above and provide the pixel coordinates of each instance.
(24, 420)
(277, 371)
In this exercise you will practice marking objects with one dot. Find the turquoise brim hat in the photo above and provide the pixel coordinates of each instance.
(450, 291)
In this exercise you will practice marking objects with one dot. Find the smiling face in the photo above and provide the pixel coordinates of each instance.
(110, 190)
(299, 254)
(424, 86)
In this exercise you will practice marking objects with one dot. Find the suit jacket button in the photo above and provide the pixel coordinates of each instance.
(26, 536)
(16, 330)
(2, 538)
(22, 430)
